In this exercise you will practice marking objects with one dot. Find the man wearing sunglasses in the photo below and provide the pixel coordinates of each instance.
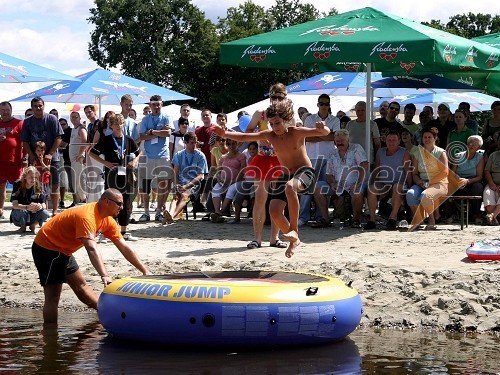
(66, 233)
(318, 149)
(389, 122)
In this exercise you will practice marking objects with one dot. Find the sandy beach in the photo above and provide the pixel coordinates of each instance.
(420, 280)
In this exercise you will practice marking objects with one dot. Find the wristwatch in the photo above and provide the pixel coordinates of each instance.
(150, 131)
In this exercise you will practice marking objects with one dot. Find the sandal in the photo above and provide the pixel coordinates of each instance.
(491, 219)
(356, 224)
(279, 244)
(430, 227)
(321, 223)
(217, 218)
(144, 218)
(370, 225)
(253, 245)
(391, 224)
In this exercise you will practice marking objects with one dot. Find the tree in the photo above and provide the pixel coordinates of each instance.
(246, 20)
(286, 13)
(166, 42)
(468, 25)
(239, 86)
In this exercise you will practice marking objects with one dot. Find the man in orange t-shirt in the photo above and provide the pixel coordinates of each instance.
(67, 232)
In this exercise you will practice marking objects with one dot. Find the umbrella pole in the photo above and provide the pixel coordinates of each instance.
(369, 113)
(99, 100)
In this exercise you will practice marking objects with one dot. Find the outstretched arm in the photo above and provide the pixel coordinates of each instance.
(320, 130)
(241, 137)
(96, 260)
(131, 256)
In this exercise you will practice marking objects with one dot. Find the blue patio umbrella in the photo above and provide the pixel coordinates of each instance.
(478, 101)
(101, 86)
(15, 70)
(347, 84)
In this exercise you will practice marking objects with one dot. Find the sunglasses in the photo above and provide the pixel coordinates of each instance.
(119, 204)
(274, 97)
(394, 108)
(322, 104)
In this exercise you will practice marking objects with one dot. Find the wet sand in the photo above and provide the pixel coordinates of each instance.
(416, 280)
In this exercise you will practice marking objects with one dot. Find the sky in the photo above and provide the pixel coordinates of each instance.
(56, 33)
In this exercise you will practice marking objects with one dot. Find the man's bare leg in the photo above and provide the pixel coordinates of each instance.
(52, 295)
(82, 290)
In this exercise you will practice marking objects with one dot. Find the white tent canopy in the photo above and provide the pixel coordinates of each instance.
(344, 103)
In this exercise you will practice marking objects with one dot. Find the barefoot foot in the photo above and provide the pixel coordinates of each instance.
(291, 236)
(291, 247)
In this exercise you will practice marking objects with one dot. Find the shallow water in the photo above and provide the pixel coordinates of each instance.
(80, 346)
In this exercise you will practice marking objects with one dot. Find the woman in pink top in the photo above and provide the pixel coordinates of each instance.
(228, 173)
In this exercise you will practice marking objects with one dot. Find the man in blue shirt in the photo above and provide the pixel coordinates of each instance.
(155, 171)
(190, 165)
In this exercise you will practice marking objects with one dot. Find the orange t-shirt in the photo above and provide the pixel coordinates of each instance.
(64, 232)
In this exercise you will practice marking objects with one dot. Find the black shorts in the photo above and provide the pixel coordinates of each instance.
(53, 266)
(305, 175)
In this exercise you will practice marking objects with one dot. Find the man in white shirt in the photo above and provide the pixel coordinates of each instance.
(318, 149)
(130, 127)
(185, 112)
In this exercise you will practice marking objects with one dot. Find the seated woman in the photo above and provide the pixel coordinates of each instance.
(457, 138)
(491, 194)
(28, 201)
(469, 167)
(229, 174)
(243, 190)
(218, 149)
(430, 179)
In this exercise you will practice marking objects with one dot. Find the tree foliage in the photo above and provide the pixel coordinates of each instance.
(468, 25)
(165, 42)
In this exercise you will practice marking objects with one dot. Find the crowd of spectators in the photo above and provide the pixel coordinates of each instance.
(407, 172)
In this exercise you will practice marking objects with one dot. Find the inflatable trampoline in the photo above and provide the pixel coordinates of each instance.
(484, 250)
(228, 308)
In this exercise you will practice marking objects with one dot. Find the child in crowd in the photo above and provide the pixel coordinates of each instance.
(297, 172)
(28, 201)
(42, 168)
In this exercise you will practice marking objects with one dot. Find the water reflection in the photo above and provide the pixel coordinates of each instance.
(79, 345)
(339, 358)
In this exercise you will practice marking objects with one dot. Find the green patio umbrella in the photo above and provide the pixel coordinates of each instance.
(489, 82)
(348, 41)
(363, 39)
(492, 40)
